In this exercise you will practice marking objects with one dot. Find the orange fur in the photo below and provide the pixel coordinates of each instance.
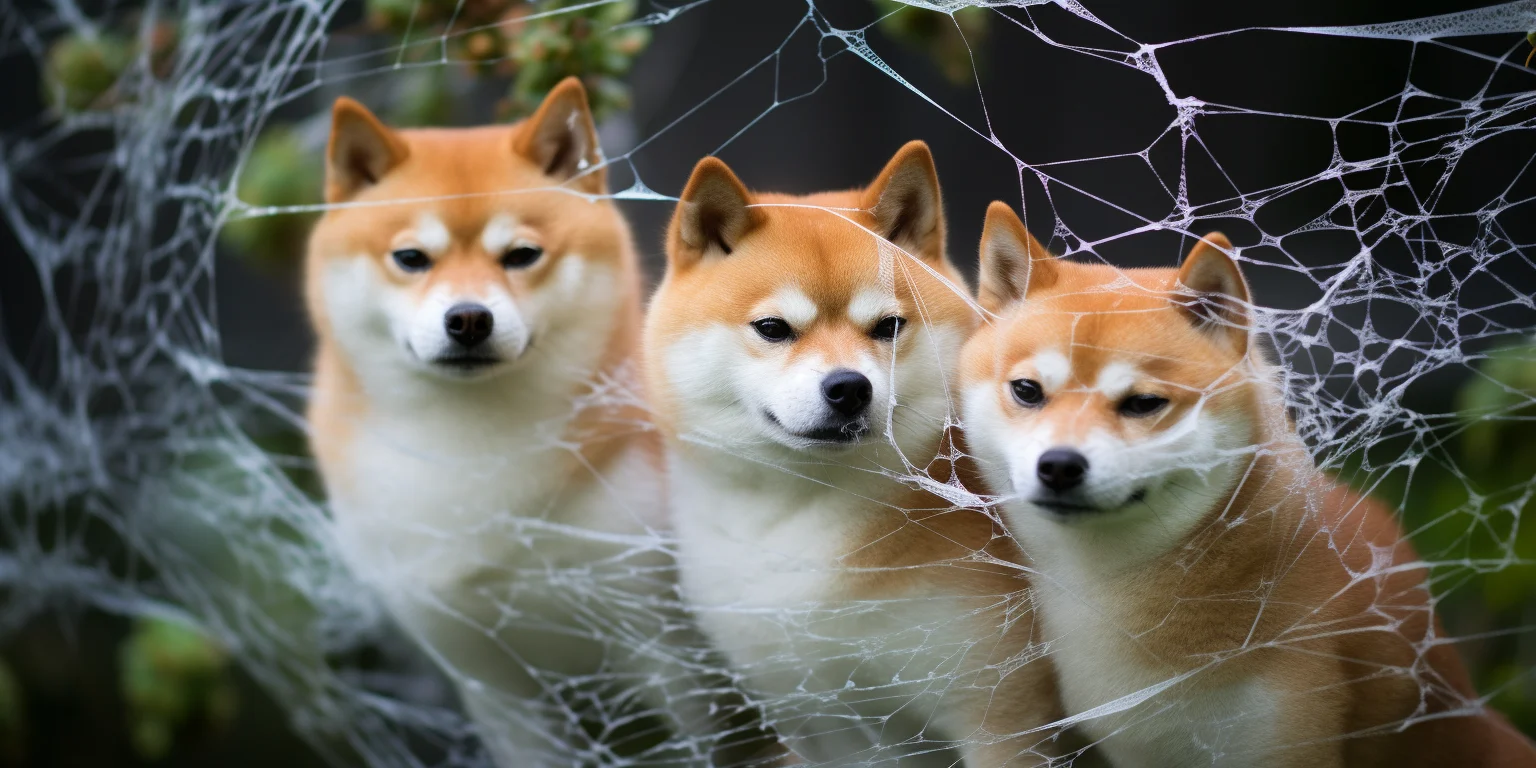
(450, 481)
(1285, 580)
(730, 253)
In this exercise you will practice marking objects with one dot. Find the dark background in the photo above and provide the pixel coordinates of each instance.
(1045, 104)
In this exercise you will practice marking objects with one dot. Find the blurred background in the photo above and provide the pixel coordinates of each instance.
(159, 158)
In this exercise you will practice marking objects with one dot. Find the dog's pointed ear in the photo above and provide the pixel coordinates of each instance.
(1013, 262)
(361, 150)
(1216, 296)
(712, 215)
(561, 139)
(906, 203)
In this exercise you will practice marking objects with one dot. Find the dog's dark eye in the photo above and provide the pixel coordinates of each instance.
(773, 329)
(888, 327)
(1028, 393)
(1142, 405)
(412, 260)
(522, 256)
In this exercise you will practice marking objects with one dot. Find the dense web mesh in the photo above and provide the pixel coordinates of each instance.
(139, 477)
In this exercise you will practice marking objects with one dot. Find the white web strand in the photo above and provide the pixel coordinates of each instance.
(123, 429)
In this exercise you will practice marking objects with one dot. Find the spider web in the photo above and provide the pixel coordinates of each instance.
(137, 480)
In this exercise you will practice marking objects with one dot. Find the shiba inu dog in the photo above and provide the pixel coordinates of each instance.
(1210, 598)
(800, 352)
(478, 425)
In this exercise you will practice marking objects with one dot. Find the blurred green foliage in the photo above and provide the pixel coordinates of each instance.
(953, 40)
(593, 45)
(1493, 405)
(280, 171)
(13, 718)
(533, 44)
(81, 69)
(173, 677)
(1498, 457)
(1467, 505)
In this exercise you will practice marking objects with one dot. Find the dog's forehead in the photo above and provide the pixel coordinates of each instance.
(1106, 340)
(1086, 330)
(468, 175)
(792, 264)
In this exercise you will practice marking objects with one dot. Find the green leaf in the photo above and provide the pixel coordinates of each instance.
(281, 171)
(81, 69)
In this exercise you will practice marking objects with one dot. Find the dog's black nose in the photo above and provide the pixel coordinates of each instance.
(1062, 469)
(468, 324)
(848, 392)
